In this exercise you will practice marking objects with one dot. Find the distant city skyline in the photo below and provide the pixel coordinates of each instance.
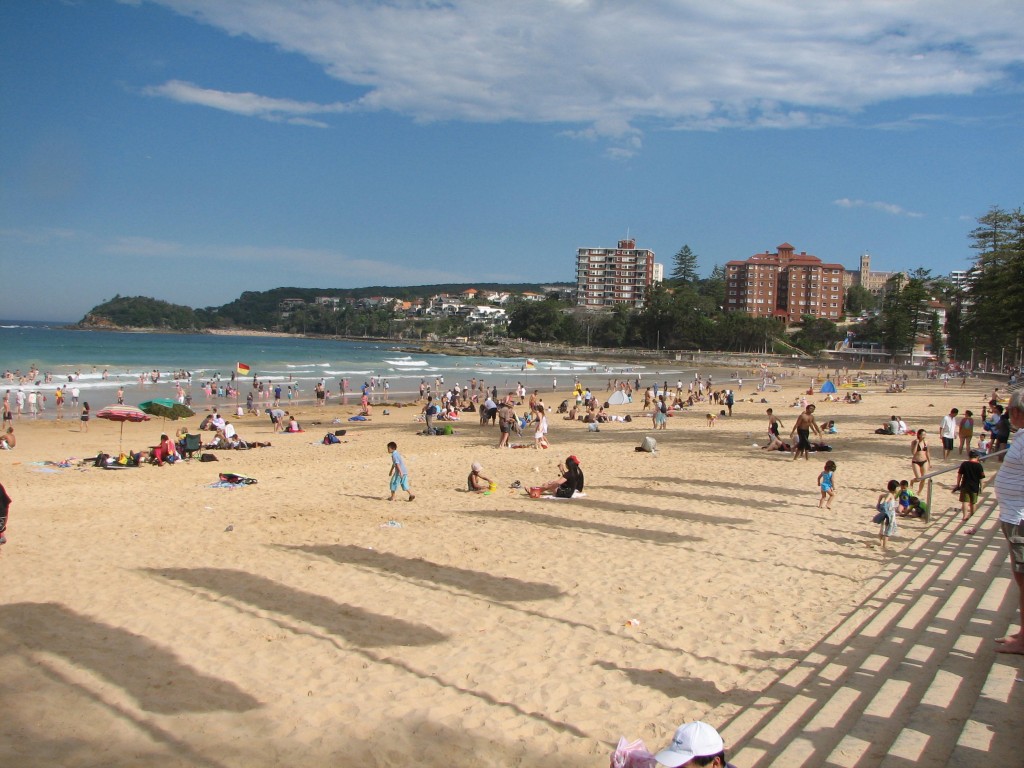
(191, 151)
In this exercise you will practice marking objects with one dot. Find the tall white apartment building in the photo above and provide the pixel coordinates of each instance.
(609, 276)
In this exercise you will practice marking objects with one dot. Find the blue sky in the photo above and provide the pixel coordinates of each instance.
(191, 150)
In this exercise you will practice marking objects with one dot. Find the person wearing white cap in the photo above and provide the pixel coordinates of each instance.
(695, 744)
(476, 481)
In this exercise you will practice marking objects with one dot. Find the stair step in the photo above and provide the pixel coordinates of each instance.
(895, 673)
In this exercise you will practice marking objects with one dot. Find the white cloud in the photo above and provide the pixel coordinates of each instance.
(878, 205)
(249, 104)
(329, 266)
(618, 67)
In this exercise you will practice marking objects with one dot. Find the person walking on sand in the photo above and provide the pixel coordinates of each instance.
(660, 419)
(506, 423)
(966, 431)
(969, 479)
(827, 484)
(399, 474)
(540, 435)
(802, 429)
(886, 516)
(947, 431)
(429, 411)
(774, 424)
(919, 457)
(1009, 484)
(84, 419)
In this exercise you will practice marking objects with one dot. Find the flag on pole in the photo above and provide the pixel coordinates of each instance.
(242, 368)
(530, 364)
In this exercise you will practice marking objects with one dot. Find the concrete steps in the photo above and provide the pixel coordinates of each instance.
(910, 676)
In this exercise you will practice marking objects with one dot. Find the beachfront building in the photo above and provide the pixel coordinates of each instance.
(784, 285)
(864, 277)
(609, 276)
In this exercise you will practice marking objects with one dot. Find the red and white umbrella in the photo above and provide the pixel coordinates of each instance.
(122, 413)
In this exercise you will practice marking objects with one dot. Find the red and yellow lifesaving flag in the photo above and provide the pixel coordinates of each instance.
(242, 368)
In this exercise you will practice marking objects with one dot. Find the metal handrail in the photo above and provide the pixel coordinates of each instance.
(938, 472)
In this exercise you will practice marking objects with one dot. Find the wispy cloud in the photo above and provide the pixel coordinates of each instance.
(878, 205)
(331, 267)
(249, 104)
(615, 68)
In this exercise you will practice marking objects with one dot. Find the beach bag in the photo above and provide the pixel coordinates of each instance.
(230, 477)
(647, 445)
(880, 515)
(634, 755)
(592, 428)
(330, 439)
(208, 457)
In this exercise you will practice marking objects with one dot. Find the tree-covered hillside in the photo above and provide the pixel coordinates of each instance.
(142, 312)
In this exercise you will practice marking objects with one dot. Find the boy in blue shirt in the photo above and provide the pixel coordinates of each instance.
(399, 474)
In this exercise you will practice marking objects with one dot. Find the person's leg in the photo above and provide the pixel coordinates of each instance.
(1015, 643)
(1015, 540)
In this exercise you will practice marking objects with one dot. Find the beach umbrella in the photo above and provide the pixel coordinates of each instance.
(166, 408)
(122, 413)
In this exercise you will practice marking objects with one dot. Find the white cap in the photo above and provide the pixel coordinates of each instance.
(691, 740)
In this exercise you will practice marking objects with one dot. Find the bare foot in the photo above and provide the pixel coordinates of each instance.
(1013, 646)
(970, 531)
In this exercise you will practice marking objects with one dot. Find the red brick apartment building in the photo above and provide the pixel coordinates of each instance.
(785, 285)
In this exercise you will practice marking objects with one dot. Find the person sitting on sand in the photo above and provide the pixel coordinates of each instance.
(293, 425)
(571, 481)
(476, 482)
(694, 744)
(165, 451)
(8, 440)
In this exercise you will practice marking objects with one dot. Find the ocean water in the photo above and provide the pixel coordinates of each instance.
(105, 360)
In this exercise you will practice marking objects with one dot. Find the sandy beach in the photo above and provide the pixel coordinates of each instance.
(151, 619)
